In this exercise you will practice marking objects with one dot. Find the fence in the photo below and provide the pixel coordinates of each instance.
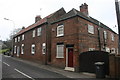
(114, 66)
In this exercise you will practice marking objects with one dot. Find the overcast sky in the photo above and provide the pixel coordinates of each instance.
(23, 12)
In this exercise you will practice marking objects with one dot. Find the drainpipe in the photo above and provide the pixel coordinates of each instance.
(117, 4)
(46, 42)
(99, 39)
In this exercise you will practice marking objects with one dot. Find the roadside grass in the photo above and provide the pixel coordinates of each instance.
(3, 50)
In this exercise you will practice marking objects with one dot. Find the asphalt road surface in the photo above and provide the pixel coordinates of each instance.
(0, 66)
(12, 68)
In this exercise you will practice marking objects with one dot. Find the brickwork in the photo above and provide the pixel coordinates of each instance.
(75, 34)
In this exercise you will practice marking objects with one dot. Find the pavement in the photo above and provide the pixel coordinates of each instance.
(57, 70)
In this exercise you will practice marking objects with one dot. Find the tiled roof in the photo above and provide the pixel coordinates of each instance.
(44, 20)
(75, 12)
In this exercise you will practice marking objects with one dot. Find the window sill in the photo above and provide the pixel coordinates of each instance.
(59, 57)
(59, 35)
(32, 53)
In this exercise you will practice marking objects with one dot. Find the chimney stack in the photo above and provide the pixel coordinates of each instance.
(37, 18)
(84, 9)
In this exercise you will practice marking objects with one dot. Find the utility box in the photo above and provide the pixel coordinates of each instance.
(100, 70)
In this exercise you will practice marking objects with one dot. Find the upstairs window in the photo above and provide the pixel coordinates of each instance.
(60, 30)
(60, 51)
(22, 49)
(33, 33)
(112, 37)
(90, 29)
(33, 49)
(15, 39)
(105, 35)
(23, 37)
(39, 31)
(19, 39)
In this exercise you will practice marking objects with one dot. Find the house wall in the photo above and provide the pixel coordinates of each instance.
(29, 40)
(70, 37)
(76, 32)
(39, 40)
(88, 40)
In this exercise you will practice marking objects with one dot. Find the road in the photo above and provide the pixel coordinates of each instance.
(0, 66)
(12, 68)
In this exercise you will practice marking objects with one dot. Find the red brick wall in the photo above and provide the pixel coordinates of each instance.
(76, 32)
(88, 40)
(70, 37)
(29, 40)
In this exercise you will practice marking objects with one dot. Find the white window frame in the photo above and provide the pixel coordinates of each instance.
(39, 30)
(112, 37)
(22, 49)
(33, 50)
(43, 48)
(18, 50)
(15, 39)
(15, 47)
(113, 50)
(23, 37)
(105, 34)
(19, 39)
(107, 49)
(33, 34)
(90, 29)
(91, 49)
(60, 30)
(61, 53)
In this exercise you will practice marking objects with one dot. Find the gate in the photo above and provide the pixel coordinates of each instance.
(87, 60)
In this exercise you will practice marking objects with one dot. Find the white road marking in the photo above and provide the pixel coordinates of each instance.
(0, 61)
(6, 64)
(23, 74)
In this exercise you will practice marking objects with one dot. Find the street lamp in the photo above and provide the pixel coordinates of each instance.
(12, 32)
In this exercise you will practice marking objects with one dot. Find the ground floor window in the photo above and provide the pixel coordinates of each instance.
(33, 49)
(112, 50)
(91, 49)
(60, 51)
(15, 49)
(22, 49)
(18, 51)
(43, 48)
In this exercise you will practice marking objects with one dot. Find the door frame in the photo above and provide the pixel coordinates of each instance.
(66, 65)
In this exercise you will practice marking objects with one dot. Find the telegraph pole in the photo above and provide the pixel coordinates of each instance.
(117, 4)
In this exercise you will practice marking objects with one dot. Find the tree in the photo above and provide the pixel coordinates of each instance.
(8, 43)
(15, 31)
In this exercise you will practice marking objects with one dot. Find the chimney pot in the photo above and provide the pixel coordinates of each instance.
(84, 9)
(37, 18)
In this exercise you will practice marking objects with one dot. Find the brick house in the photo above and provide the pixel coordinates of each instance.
(59, 38)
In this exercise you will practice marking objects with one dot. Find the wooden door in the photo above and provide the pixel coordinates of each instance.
(70, 57)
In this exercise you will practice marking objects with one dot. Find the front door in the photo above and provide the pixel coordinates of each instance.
(70, 57)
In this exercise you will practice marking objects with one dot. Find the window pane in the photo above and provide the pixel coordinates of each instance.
(39, 31)
(91, 29)
(112, 36)
(105, 35)
(33, 33)
(60, 51)
(60, 30)
(33, 49)
(23, 37)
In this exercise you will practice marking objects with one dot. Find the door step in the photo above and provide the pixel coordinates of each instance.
(69, 69)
